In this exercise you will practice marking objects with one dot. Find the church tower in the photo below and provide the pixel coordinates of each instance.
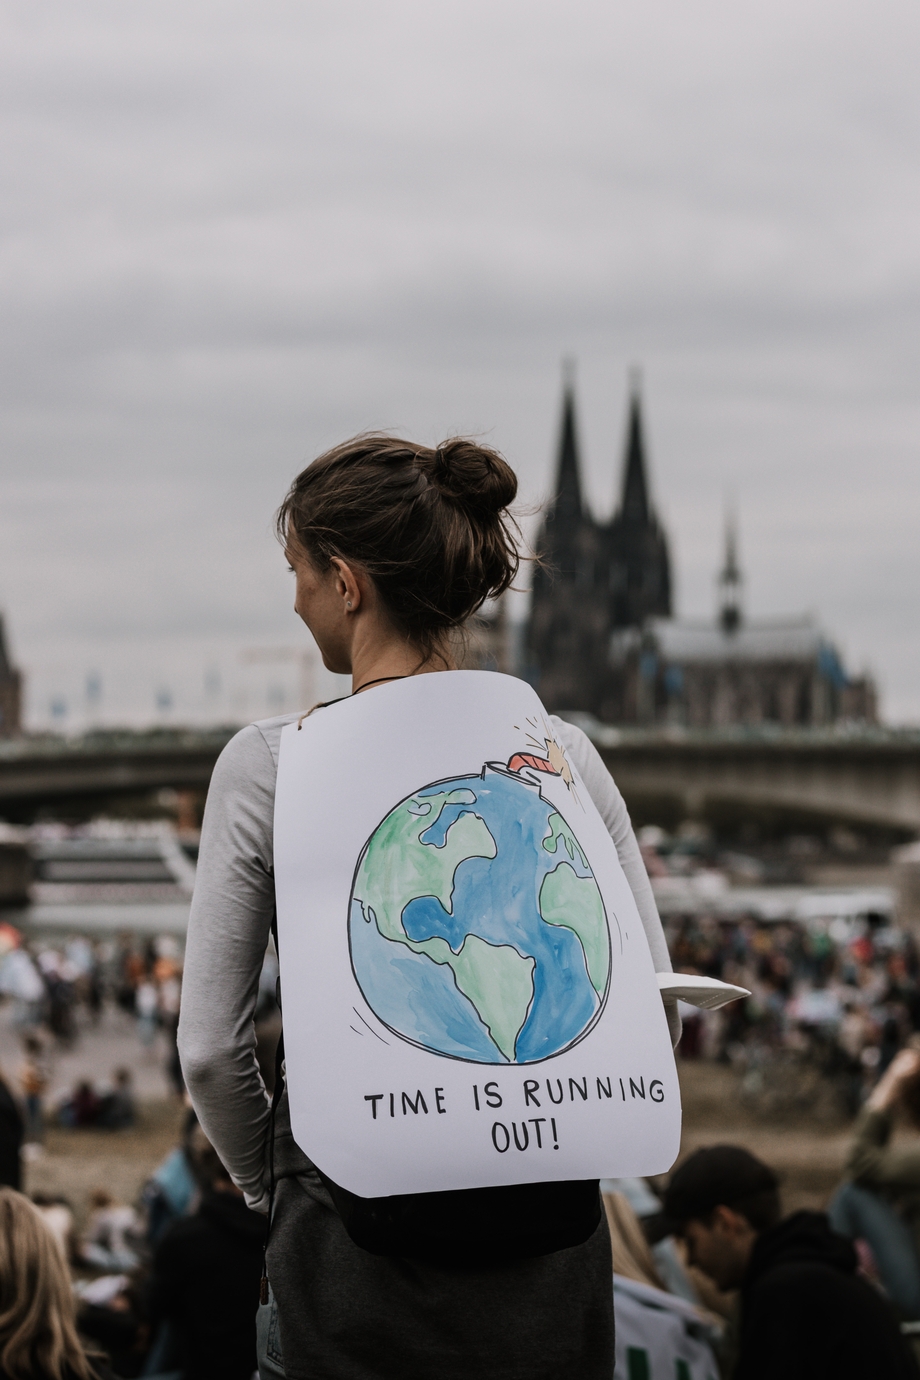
(594, 580)
(637, 549)
(729, 582)
(10, 692)
(566, 635)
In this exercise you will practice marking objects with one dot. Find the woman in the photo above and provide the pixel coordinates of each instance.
(393, 547)
(38, 1334)
(880, 1203)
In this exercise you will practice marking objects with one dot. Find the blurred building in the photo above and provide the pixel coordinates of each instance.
(486, 642)
(734, 670)
(594, 578)
(10, 692)
(601, 639)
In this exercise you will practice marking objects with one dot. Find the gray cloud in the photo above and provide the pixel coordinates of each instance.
(230, 236)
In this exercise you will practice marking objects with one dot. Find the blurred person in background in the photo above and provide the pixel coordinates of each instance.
(172, 1191)
(94, 995)
(147, 1006)
(59, 976)
(880, 1202)
(805, 1312)
(110, 1314)
(38, 1334)
(169, 993)
(33, 1080)
(668, 1252)
(131, 971)
(57, 1215)
(117, 1108)
(20, 979)
(112, 1234)
(205, 1281)
(12, 1130)
(82, 1107)
(657, 1332)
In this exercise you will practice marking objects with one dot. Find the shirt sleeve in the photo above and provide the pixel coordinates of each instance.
(873, 1162)
(612, 808)
(229, 927)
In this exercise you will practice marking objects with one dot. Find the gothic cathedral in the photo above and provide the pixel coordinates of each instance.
(594, 578)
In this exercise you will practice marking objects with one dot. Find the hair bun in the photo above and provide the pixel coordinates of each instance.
(474, 477)
(431, 528)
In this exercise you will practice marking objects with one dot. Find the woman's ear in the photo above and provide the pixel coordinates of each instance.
(347, 585)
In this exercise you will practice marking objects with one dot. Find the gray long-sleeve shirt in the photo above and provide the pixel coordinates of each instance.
(230, 923)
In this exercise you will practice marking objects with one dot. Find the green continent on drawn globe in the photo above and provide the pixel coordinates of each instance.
(477, 928)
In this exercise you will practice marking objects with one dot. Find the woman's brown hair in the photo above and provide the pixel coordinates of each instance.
(429, 527)
(38, 1333)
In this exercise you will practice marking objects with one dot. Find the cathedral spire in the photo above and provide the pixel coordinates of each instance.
(10, 691)
(639, 577)
(730, 579)
(567, 501)
(635, 506)
(6, 667)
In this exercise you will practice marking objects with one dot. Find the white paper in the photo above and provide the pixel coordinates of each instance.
(468, 994)
(695, 990)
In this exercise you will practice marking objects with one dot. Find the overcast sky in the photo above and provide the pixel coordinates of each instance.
(233, 234)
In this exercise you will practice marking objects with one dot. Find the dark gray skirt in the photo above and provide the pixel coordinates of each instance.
(344, 1314)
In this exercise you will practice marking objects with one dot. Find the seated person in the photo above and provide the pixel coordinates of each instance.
(805, 1313)
(112, 1234)
(205, 1280)
(38, 1334)
(116, 1108)
(172, 1191)
(82, 1107)
(880, 1203)
(657, 1332)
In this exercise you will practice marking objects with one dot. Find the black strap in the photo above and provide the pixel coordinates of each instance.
(277, 1090)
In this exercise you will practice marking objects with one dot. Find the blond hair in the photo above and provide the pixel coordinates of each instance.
(632, 1256)
(38, 1332)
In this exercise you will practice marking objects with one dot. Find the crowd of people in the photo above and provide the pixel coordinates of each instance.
(709, 1278)
(165, 1287)
(169, 1285)
(839, 998)
(61, 986)
(55, 991)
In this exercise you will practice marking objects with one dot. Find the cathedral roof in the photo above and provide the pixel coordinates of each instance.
(793, 639)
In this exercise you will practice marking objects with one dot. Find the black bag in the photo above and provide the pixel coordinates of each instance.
(467, 1226)
(472, 1226)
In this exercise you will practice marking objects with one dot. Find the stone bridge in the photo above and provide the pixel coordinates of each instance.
(869, 778)
(84, 775)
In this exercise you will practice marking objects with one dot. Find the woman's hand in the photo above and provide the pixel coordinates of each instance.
(904, 1067)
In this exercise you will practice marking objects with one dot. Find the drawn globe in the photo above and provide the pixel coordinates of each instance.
(476, 926)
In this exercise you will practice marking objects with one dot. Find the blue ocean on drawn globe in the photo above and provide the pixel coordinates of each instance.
(477, 928)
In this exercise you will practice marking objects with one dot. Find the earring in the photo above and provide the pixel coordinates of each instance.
(348, 605)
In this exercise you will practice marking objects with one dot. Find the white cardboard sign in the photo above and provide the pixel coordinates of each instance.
(468, 994)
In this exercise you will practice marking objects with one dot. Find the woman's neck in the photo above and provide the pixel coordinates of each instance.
(393, 661)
